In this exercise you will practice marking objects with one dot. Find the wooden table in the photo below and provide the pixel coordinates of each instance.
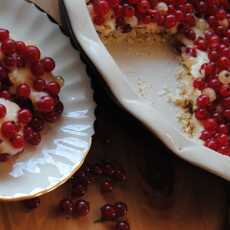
(163, 192)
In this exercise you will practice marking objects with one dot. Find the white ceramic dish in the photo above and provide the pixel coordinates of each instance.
(64, 146)
(121, 72)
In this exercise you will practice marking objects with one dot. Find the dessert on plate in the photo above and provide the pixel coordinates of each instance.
(200, 30)
(28, 95)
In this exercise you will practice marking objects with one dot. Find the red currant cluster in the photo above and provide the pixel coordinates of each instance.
(116, 212)
(213, 105)
(79, 208)
(105, 173)
(163, 13)
(35, 111)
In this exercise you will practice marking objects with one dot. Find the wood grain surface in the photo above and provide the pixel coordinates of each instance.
(162, 192)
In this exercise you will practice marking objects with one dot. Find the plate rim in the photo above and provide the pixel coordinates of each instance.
(50, 188)
(213, 165)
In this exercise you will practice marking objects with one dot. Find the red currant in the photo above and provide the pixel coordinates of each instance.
(143, 6)
(37, 124)
(24, 116)
(32, 54)
(66, 206)
(108, 212)
(48, 64)
(9, 129)
(106, 186)
(2, 111)
(20, 48)
(45, 104)
(37, 68)
(39, 84)
(18, 142)
(5, 94)
(23, 90)
(101, 7)
(121, 209)
(53, 88)
(81, 208)
(4, 35)
(122, 225)
(8, 47)
(203, 101)
(35, 138)
(210, 124)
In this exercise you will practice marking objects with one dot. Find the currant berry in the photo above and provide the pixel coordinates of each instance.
(23, 90)
(210, 124)
(39, 85)
(3, 73)
(170, 21)
(20, 48)
(32, 54)
(2, 111)
(203, 101)
(34, 139)
(10, 61)
(45, 104)
(18, 142)
(101, 7)
(121, 209)
(143, 6)
(28, 133)
(5, 94)
(9, 129)
(66, 206)
(122, 225)
(8, 47)
(24, 116)
(37, 124)
(81, 208)
(48, 64)
(106, 186)
(199, 83)
(78, 190)
(4, 35)
(37, 68)
(108, 212)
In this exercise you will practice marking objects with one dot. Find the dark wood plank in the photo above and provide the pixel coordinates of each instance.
(162, 191)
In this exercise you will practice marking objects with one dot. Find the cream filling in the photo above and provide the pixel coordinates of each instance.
(194, 63)
(11, 115)
(24, 75)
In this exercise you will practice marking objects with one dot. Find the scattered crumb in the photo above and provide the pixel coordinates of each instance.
(165, 91)
(143, 86)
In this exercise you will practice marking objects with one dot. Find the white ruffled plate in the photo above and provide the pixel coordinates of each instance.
(66, 144)
(136, 83)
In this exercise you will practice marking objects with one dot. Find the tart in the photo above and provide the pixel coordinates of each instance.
(29, 95)
(201, 32)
